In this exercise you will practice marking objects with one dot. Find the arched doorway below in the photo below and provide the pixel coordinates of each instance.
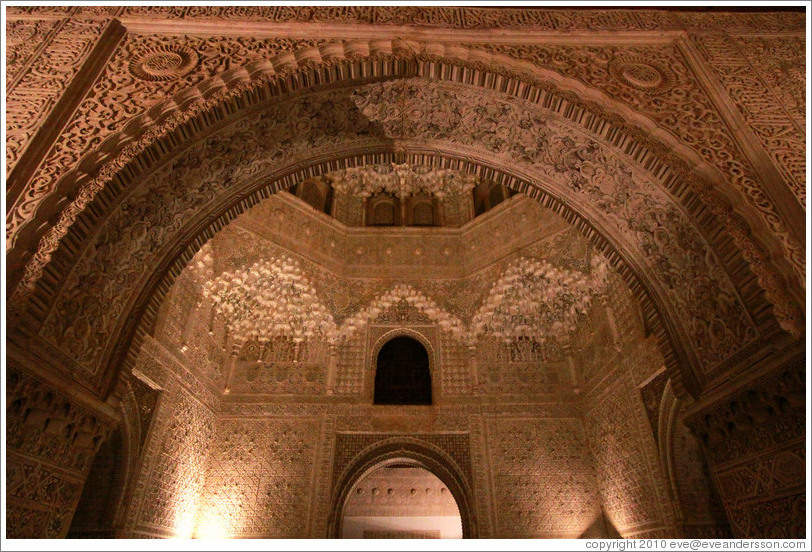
(400, 499)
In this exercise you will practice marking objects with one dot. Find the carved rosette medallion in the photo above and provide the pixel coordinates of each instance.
(163, 63)
(641, 73)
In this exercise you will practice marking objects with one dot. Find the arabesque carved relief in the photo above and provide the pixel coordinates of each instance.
(37, 79)
(685, 110)
(593, 233)
(579, 166)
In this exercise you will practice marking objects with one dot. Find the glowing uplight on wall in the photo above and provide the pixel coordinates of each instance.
(211, 525)
(185, 512)
(222, 511)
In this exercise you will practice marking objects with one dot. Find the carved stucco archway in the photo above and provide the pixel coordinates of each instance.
(35, 209)
(396, 449)
(164, 147)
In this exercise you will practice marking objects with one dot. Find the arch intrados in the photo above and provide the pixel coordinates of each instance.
(189, 112)
(396, 449)
(142, 322)
(522, 182)
(593, 227)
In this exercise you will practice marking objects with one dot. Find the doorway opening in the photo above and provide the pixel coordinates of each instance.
(401, 500)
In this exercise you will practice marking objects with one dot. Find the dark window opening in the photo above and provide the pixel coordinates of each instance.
(402, 375)
(384, 214)
(423, 214)
(318, 195)
(488, 195)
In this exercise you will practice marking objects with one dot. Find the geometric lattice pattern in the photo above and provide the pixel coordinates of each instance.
(543, 478)
(623, 477)
(258, 479)
(171, 498)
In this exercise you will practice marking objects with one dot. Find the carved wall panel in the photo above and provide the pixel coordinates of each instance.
(167, 487)
(521, 366)
(765, 77)
(613, 333)
(542, 476)
(456, 369)
(204, 338)
(40, 498)
(51, 440)
(657, 81)
(754, 442)
(258, 479)
(43, 58)
(451, 17)
(629, 474)
(145, 70)
(281, 366)
(24, 38)
(349, 445)
(350, 366)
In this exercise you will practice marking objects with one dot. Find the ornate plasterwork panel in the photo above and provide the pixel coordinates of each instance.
(266, 300)
(24, 37)
(145, 70)
(765, 77)
(533, 498)
(754, 443)
(456, 369)
(402, 297)
(521, 366)
(402, 180)
(51, 440)
(658, 82)
(350, 445)
(577, 166)
(258, 479)
(583, 169)
(624, 477)
(166, 491)
(795, 254)
(448, 17)
(533, 298)
(529, 361)
(281, 366)
(43, 56)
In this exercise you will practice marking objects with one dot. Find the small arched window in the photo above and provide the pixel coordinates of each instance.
(402, 374)
(423, 214)
(316, 193)
(383, 213)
